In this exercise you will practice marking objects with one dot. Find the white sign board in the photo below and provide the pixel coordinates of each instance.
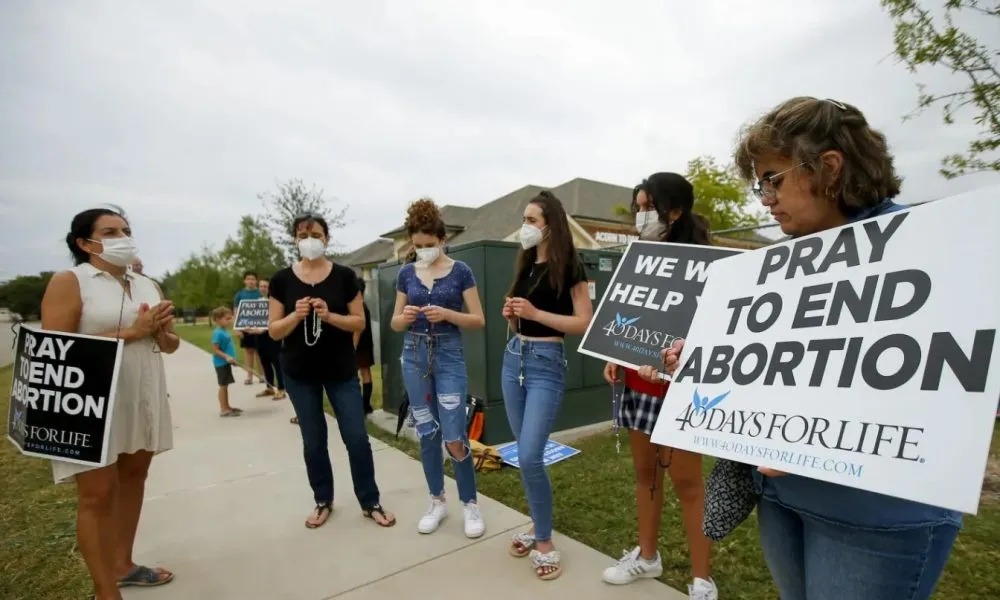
(860, 355)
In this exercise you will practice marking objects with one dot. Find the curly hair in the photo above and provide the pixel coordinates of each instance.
(804, 128)
(423, 216)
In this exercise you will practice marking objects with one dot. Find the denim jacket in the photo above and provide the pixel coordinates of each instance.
(850, 506)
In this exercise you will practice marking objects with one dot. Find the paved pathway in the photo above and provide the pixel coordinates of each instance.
(225, 508)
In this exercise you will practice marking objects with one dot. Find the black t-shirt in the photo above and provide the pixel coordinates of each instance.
(332, 358)
(534, 285)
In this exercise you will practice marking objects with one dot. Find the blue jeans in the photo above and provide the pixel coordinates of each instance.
(533, 380)
(437, 385)
(815, 559)
(348, 409)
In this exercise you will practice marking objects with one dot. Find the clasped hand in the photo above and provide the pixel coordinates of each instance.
(520, 308)
(434, 314)
(151, 321)
(304, 305)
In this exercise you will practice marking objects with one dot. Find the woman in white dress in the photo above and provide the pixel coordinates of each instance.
(102, 296)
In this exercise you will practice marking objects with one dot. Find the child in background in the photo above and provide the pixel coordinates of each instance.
(223, 358)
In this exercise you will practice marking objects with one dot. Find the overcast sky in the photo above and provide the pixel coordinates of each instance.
(183, 111)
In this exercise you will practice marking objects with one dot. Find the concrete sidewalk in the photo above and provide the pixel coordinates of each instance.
(225, 509)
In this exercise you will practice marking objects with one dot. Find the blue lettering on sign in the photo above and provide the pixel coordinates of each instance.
(554, 452)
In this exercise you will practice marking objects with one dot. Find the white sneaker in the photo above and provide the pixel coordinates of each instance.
(436, 512)
(475, 526)
(703, 589)
(632, 567)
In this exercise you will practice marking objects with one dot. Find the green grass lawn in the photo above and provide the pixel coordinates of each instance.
(594, 495)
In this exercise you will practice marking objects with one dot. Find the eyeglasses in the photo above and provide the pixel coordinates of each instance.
(768, 186)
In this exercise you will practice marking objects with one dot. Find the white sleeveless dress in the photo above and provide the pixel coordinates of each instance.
(141, 420)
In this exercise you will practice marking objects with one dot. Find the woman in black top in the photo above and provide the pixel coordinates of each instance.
(315, 308)
(547, 300)
(663, 205)
(365, 351)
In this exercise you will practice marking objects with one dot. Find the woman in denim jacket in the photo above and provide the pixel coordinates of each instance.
(816, 165)
(430, 293)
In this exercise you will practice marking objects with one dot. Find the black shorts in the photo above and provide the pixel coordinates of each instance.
(224, 375)
(248, 340)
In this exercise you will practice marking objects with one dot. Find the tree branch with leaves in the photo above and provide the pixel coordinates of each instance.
(291, 200)
(921, 41)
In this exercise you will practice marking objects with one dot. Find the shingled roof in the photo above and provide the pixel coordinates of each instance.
(377, 251)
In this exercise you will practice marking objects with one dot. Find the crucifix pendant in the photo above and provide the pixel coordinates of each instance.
(520, 379)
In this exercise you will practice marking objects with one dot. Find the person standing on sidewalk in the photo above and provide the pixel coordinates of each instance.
(101, 296)
(430, 294)
(817, 165)
(249, 337)
(547, 300)
(268, 350)
(365, 348)
(315, 308)
(662, 205)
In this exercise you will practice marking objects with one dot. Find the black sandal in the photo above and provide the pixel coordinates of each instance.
(323, 511)
(377, 509)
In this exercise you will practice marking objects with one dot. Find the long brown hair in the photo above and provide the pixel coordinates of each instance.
(561, 254)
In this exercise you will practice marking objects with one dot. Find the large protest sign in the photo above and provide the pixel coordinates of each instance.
(63, 395)
(649, 302)
(860, 355)
(251, 314)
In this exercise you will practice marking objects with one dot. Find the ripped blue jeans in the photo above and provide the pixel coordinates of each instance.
(437, 385)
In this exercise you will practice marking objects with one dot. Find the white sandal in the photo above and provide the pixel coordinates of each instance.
(549, 560)
(522, 544)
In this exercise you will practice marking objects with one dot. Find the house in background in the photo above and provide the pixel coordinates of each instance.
(593, 218)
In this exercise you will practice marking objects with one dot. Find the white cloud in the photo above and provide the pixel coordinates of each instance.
(182, 112)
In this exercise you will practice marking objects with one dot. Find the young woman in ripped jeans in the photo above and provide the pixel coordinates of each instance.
(548, 299)
(816, 165)
(429, 297)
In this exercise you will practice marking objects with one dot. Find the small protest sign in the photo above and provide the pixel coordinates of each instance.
(649, 302)
(859, 355)
(63, 395)
(251, 314)
(554, 452)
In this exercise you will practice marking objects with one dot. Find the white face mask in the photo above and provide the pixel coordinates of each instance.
(311, 248)
(426, 256)
(642, 219)
(530, 236)
(120, 251)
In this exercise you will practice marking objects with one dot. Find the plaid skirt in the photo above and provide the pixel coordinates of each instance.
(638, 411)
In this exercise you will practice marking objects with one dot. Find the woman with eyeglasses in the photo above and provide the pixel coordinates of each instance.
(102, 296)
(315, 309)
(663, 207)
(548, 300)
(430, 294)
(815, 165)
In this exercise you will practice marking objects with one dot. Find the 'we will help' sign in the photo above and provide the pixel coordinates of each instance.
(864, 355)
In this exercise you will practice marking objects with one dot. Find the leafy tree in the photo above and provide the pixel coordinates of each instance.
(23, 294)
(203, 282)
(920, 41)
(253, 249)
(719, 195)
(292, 199)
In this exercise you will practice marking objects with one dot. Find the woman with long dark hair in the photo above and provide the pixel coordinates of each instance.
(430, 294)
(547, 300)
(816, 165)
(315, 308)
(663, 207)
(102, 296)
